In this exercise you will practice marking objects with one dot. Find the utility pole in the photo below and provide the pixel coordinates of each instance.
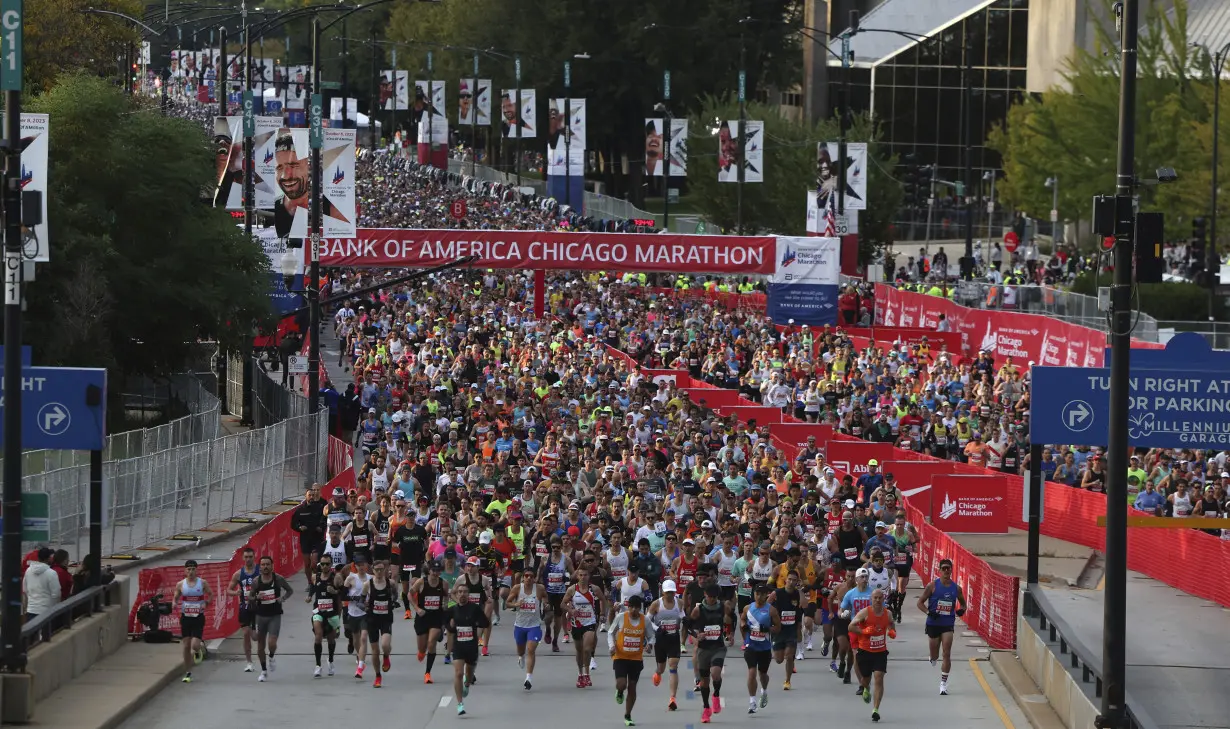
(375, 93)
(431, 112)
(1212, 264)
(249, 130)
(742, 136)
(667, 123)
(345, 76)
(220, 73)
(567, 133)
(1114, 611)
(844, 113)
(967, 120)
(11, 67)
(519, 118)
(474, 121)
(315, 132)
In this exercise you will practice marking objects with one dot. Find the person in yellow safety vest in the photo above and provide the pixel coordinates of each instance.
(710, 285)
(642, 278)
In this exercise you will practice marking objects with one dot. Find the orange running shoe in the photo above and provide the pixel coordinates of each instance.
(657, 678)
(386, 665)
(377, 682)
(427, 678)
(421, 657)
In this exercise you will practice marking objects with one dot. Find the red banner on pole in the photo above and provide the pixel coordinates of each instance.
(533, 249)
(969, 504)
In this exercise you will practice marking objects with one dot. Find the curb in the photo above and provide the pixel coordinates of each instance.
(1032, 702)
(146, 695)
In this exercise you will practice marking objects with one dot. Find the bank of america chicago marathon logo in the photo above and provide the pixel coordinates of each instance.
(789, 256)
(338, 176)
(27, 176)
(268, 156)
(967, 506)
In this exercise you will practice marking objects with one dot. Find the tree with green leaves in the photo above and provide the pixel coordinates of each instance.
(140, 269)
(1071, 132)
(779, 203)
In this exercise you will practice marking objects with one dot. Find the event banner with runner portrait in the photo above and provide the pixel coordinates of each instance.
(474, 102)
(566, 136)
(292, 160)
(526, 249)
(34, 138)
(803, 289)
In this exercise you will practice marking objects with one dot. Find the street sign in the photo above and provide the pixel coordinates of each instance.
(249, 115)
(11, 67)
(666, 85)
(1166, 408)
(35, 517)
(567, 74)
(457, 209)
(297, 364)
(26, 355)
(1011, 241)
(742, 86)
(700, 227)
(517, 68)
(316, 128)
(62, 408)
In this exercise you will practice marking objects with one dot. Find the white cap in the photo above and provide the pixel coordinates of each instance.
(669, 586)
(484, 538)
(862, 572)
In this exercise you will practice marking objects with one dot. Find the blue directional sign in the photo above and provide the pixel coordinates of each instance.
(27, 356)
(62, 408)
(1185, 351)
(1166, 408)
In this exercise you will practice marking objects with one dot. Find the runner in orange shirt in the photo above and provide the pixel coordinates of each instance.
(874, 627)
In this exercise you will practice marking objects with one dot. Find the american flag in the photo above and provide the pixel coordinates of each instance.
(828, 227)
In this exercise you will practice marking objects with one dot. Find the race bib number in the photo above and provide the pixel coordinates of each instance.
(431, 602)
(382, 539)
(670, 625)
(788, 617)
(851, 553)
(901, 557)
(266, 596)
(943, 607)
(713, 632)
(192, 609)
(618, 572)
(541, 551)
(408, 568)
(685, 579)
(360, 541)
(555, 580)
(465, 633)
(876, 642)
(758, 634)
(324, 605)
(584, 612)
(632, 644)
(380, 607)
(725, 572)
(476, 597)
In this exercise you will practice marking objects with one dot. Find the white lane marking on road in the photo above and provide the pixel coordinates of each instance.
(444, 701)
(214, 644)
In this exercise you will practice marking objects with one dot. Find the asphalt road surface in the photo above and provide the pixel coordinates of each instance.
(223, 696)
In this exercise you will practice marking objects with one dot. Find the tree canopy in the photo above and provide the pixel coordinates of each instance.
(59, 36)
(1071, 133)
(140, 269)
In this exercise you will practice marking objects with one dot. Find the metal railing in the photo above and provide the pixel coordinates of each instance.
(77, 607)
(189, 484)
(1049, 301)
(490, 174)
(1082, 664)
(1216, 333)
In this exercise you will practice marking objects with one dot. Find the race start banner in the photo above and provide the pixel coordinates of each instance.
(531, 249)
(803, 289)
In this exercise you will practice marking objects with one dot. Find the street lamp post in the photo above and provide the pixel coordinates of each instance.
(1212, 265)
(519, 117)
(568, 133)
(1056, 230)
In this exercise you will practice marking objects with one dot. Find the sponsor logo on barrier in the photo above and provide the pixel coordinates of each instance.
(948, 508)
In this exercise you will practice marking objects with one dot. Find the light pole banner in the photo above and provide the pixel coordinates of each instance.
(34, 138)
(474, 102)
(228, 153)
(566, 138)
(856, 174)
(753, 151)
(337, 182)
(655, 144)
(264, 159)
(728, 151)
(296, 87)
(529, 113)
(435, 125)
(395, 90)
(803, 289)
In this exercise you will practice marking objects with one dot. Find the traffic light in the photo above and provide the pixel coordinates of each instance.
(910, 188)
(1148, 247)
(1197, 247)
(924, 185)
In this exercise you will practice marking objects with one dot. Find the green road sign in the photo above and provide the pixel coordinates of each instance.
(11, 24)
(35, 517)
(249, 115)
(331, 85)
(666, 85)
(316, 127)
(742, 86)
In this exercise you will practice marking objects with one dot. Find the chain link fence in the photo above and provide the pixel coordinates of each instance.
(186, 474)
(1048, 301)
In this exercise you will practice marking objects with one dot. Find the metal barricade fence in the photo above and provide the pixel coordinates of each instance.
(490, 174)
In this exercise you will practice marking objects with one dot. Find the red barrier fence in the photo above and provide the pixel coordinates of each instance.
(341, 456)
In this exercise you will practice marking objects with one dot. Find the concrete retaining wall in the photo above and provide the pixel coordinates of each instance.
(65, 657)
(1063, 691)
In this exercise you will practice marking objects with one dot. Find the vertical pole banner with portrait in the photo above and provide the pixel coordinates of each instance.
(803, 289)
(228, 154)
(566, 138)
(728, 151)
(474, 102)
(34, 167)
(394, 90)
(655, 143)
(679, 148)
(296, 87)
(337, 178)
(856, 174)
(431, 119)
(264, 157)
(753, 151)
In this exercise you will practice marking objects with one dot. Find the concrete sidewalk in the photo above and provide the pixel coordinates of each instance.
(1059, 563)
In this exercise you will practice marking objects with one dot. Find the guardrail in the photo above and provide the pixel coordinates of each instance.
(61, 617)
(1082, 663)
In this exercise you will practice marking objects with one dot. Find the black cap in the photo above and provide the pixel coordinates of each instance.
(635, 602)
(712, 590)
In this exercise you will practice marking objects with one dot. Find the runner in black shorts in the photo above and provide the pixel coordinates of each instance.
(466, 622)
(707, 621)
(428, 600)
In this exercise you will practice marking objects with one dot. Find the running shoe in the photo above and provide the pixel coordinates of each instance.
(448, 658)
(461, 709)
(316, 673)
(751, 706)
(421, 656)
(555, 647)
(833, 666)
(589, 682)
(263, 677)
(528, 685)
(671, 705)
(786, 685)
(386, 665)
(619, 696)
(378, 682)
(580, 681)
(809, 643)
(427, 678)
(705, 715)
(273, 664)
(603, 627)
(248, 668)
(628, 721)
(764, 699)
(520, 661)
(407, 616)
(657, 679)
(350, 644)
(485, 652)
(495, 620)
(875, 716)
(567, 638)
(198, 655)
(824, 649)
(358, 670)
(187, 678)
(717, 704)
(593, 664)
(330, 668)
(866, 696)
(846, 678)
(943, 688)
(798, 654)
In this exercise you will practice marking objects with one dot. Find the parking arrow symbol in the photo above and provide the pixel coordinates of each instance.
(1077, 415)
(53, 418)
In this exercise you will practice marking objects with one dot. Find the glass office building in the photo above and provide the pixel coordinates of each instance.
(915, 89)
